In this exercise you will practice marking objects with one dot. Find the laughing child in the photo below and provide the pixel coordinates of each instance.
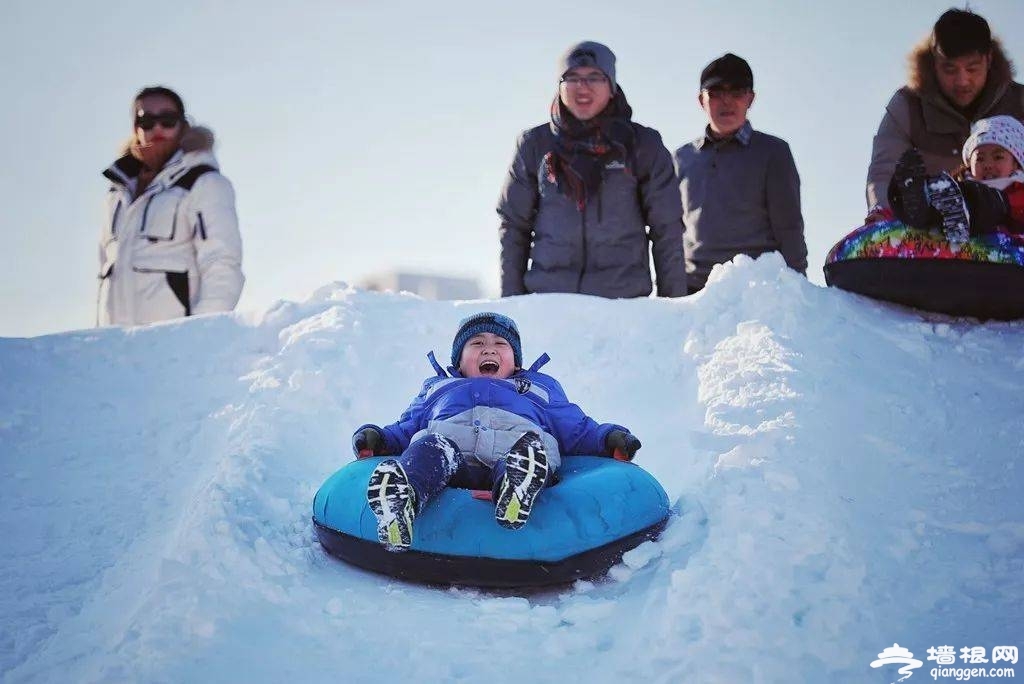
(485, 424)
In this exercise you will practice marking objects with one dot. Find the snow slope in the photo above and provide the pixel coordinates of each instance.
(847, 475)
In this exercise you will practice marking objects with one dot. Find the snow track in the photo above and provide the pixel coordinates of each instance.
(847, 473)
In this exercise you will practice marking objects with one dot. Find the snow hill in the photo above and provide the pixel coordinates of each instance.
(848, 475)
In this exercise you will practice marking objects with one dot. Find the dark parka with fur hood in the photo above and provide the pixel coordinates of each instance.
(918, 115)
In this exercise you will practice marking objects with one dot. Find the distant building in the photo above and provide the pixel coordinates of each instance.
(425, 285)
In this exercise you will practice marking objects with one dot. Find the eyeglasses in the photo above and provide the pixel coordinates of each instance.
(165, 119)
(727, 93)
(592, 81)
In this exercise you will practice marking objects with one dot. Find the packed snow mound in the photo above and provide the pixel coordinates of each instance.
(846, 476)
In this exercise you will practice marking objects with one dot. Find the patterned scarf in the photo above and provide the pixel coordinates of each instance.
(584, 148)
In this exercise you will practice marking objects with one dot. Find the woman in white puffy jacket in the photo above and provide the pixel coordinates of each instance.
(170, 246)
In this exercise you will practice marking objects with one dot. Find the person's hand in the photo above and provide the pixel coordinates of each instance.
(366, 442)
(622, 445)
(878, 213)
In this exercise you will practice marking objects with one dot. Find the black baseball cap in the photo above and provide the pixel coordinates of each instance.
(727, 70)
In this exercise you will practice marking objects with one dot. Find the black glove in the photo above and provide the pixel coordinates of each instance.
(622, 445)
(367, 442)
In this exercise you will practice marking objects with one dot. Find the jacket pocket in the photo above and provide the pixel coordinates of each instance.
(619, 186)
(548, 255)
(160, 217)
(161, 294)
(627, 252)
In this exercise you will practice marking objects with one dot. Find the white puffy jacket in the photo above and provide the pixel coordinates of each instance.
(174, 250)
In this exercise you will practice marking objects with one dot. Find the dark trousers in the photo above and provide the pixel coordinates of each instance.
(433, 462)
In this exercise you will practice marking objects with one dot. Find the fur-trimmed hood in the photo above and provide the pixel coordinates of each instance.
(921, 68)
(196, 149)
(195, 139)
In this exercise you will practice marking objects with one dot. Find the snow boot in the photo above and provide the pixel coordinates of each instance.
(945, 196)
(907, 194)
(526, 471)
(393, 500)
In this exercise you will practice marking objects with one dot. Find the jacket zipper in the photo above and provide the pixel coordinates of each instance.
(583, 266)
(145, 213)
(113, 221)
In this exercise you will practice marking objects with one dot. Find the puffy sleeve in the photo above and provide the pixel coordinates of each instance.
(663, 213)
(576, 432)
(397, 435)
(783, 194)
(891, 140)
(218, 244)
(517, 208)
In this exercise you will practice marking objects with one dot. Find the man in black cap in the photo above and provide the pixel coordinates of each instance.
(740, 187)
(958, 74)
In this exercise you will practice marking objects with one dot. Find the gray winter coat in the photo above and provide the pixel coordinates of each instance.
(548, 245)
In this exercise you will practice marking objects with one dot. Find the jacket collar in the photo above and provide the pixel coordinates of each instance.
(454, 372)
(742, 136)
(126, 169)
(940, 116)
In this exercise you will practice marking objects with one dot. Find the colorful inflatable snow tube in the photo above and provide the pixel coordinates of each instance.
(983, 277)
(580, 526)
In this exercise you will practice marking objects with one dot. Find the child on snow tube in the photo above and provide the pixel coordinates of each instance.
(986, 194)
(488, 425)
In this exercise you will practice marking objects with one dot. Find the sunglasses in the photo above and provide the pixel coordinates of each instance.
(165, 119)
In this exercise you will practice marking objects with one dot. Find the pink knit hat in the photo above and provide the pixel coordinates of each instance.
(1005, 131)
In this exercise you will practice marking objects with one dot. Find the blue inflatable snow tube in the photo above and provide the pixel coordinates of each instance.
(579, 527)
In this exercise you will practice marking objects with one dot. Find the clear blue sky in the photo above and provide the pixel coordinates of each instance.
(367, 136)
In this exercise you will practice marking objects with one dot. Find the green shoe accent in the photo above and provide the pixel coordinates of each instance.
(393, 501)
(394, 534)
(526, 470)
(512, 512)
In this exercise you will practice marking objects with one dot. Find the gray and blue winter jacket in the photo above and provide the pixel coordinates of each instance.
(485, 416)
